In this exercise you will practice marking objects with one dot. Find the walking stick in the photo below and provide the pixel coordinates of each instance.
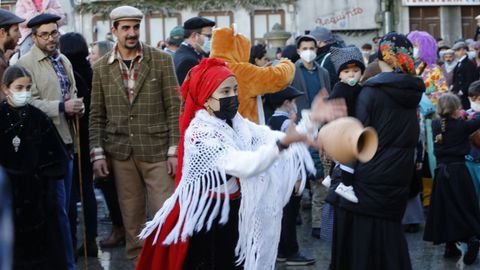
(80, 183)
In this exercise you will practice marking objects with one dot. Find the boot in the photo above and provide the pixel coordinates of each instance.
(116, 238)
(92, 248)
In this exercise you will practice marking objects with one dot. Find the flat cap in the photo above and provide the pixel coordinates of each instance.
(305, 38)
(197, 23)
(8, 18)
(322, 34)
(124, 13)
(43, 18)
(477, 18)
(277, 99)
(460, 45)
(176, 35)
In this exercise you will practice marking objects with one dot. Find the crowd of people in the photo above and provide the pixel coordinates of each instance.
(205, 148)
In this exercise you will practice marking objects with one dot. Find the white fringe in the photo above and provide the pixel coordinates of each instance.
(263, 196)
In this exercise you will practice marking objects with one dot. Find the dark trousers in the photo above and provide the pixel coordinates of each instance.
(89, 203)
(111, 198)
(215, 249)
(288, 245)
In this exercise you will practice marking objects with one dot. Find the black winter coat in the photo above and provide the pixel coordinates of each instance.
(463, 76)
(184, 59)
(388, 103)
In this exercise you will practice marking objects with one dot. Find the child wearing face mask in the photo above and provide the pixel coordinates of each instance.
(472, 160)
(349, 65)
(34, 158)
(288, 250)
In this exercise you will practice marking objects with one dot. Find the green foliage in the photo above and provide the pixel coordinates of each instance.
(168, 6)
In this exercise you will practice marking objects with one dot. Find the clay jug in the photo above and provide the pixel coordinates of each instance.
(346, 140)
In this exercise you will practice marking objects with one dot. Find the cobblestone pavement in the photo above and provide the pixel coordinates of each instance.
(423, 255)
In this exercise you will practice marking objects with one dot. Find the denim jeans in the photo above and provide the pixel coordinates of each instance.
(63, 199)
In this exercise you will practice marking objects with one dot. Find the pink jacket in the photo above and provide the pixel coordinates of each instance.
(26, 9)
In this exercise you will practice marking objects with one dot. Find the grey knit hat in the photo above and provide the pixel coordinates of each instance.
(322, 34)
(343, 57)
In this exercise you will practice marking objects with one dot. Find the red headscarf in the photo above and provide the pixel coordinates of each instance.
(201, 82)
(199, 85)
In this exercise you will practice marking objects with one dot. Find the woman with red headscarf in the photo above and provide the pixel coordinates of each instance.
(204, 224)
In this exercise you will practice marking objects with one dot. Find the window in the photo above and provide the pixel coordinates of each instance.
(158, 27)
(262, 21)
(221, 18)
(101, 26)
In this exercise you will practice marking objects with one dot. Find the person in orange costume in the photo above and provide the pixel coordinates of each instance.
(253, 81)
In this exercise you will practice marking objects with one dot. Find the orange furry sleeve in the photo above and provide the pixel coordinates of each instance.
(265, 79)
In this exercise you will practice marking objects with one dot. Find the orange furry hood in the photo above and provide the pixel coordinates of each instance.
(252, 80)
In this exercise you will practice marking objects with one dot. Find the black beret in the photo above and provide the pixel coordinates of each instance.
(8, 18)
(277, 99)
(43, 18)
(197, 23)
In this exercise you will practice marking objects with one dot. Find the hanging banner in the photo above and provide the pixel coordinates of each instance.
(441, 2)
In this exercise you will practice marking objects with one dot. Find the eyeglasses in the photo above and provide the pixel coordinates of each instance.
(45, 35)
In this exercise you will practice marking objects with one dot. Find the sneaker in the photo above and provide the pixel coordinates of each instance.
(451, 251)
(472, 251)
(298, 259)
(281, 257)
(316, 233)
(346, 192)
(327, 181)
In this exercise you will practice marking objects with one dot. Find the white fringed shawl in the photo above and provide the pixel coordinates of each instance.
(208, 140)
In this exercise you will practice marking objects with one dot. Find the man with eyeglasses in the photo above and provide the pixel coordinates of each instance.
(196, 45)
(54, 92)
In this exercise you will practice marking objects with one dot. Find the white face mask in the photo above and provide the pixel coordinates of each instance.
(366, 53)
(475, 106)
(20, 99)
(416, 53)
(472, 54)
(308, 55)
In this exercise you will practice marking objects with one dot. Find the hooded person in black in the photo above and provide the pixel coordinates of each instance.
(388, 103)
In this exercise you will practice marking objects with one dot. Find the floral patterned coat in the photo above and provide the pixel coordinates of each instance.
(435, 81)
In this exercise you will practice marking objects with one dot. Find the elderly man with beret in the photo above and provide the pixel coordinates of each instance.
(54, 92)
(9, 36)
(134, 123)
(196, 46)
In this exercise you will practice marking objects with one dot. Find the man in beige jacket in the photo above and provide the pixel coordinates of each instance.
(54, 92)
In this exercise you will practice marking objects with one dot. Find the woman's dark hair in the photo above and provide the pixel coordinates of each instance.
(103, 47)
(257, 52)
(14, 72)
(73, 45)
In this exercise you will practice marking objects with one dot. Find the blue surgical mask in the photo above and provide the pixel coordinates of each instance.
(206, 45)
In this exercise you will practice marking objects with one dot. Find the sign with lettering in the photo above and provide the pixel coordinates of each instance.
(441, 2)
(347, 14)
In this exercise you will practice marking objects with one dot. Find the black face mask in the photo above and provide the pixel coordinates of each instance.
(228, 108)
